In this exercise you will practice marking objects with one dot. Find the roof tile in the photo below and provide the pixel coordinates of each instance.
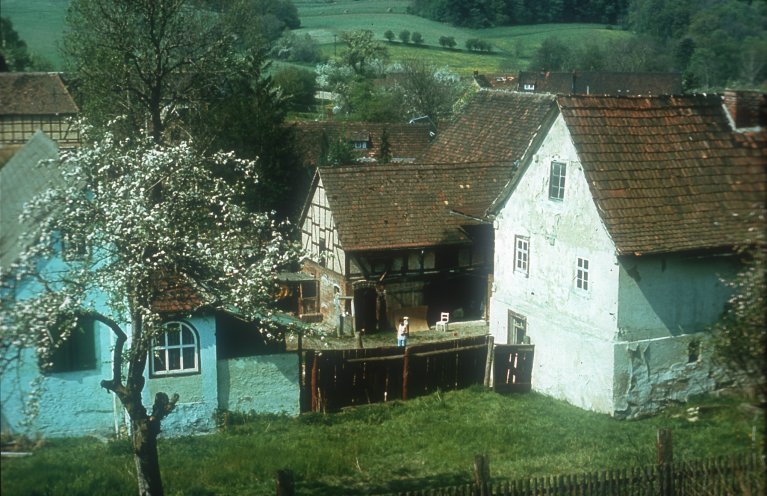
(668, 173)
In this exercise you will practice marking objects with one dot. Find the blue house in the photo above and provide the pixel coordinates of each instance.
(213, 360)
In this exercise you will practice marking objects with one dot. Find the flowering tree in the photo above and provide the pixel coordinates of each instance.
(131, 218)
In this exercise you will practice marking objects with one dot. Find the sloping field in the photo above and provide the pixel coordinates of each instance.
(41, 24)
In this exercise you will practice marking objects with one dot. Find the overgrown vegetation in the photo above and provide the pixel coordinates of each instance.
(399, 446)
(741, 338)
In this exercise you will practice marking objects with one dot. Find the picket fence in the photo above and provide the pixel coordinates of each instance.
(741, 474)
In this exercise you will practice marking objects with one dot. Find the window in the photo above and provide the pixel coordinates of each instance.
(360, 145)
(78, 351)
(693, 351)
(557, 181)
(322, 252)
(529, 87)
(176, 350)
(582, 274)
(521, 254)
(517, 328)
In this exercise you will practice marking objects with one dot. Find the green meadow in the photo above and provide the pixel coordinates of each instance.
(41, 24)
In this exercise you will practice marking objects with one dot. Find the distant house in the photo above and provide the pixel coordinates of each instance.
(214, 360)
(405, 141)
(400, 239)
(32, 101)
(600, 83)
(612, 243)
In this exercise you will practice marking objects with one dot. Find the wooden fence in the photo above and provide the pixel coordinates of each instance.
(334, 379)
(741, 474)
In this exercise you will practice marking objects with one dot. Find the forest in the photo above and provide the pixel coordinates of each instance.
(713, 43)
(490, 13)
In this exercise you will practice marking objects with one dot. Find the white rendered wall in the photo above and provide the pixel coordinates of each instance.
(572, 329)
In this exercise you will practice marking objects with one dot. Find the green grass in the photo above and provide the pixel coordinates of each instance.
(41, 25)
(399, 446)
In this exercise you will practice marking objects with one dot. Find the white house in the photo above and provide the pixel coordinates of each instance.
(612, 242)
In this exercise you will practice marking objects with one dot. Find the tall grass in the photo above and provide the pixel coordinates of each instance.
(399, 446)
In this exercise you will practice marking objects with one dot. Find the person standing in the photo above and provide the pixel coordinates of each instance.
(403, 331)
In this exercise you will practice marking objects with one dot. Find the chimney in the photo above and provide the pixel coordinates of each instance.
(746, 108)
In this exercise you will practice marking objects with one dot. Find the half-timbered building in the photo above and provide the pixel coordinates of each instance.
(406, 239)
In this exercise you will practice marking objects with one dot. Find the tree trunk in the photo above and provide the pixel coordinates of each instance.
(145, 456)
(144, 428)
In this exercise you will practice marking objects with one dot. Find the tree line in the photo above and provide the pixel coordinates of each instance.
(488, 13)
(714, 44)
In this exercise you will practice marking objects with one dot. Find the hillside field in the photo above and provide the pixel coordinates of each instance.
(41, 24)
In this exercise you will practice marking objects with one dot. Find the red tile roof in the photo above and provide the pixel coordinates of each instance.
(409, 205)
(494, 126)
(176, 296)
(34, 93)
(406, 141)
(667, 173)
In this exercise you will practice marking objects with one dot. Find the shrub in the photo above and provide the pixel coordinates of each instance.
(447, 41)
(389, 35)
(404, 35)
(417, 38)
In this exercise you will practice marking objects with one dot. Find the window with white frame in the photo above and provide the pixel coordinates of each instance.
(176, 350)
(521, 254)
(582, 274)
(557, 180)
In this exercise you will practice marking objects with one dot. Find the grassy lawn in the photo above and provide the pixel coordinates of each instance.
(398, 446)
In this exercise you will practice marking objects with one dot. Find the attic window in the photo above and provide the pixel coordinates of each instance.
(557, 181)
(521, 254)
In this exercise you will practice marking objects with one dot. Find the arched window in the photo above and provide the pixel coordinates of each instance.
(176, 350)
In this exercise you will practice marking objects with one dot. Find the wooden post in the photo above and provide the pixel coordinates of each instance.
(665, 447)
(301, 373)
(285, 485)
(315, 401)
(482, 474)
(489, 362)
(665, 458)
(359, 340)
(405, 371)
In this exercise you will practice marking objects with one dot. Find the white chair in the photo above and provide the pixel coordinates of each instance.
(443, 320)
